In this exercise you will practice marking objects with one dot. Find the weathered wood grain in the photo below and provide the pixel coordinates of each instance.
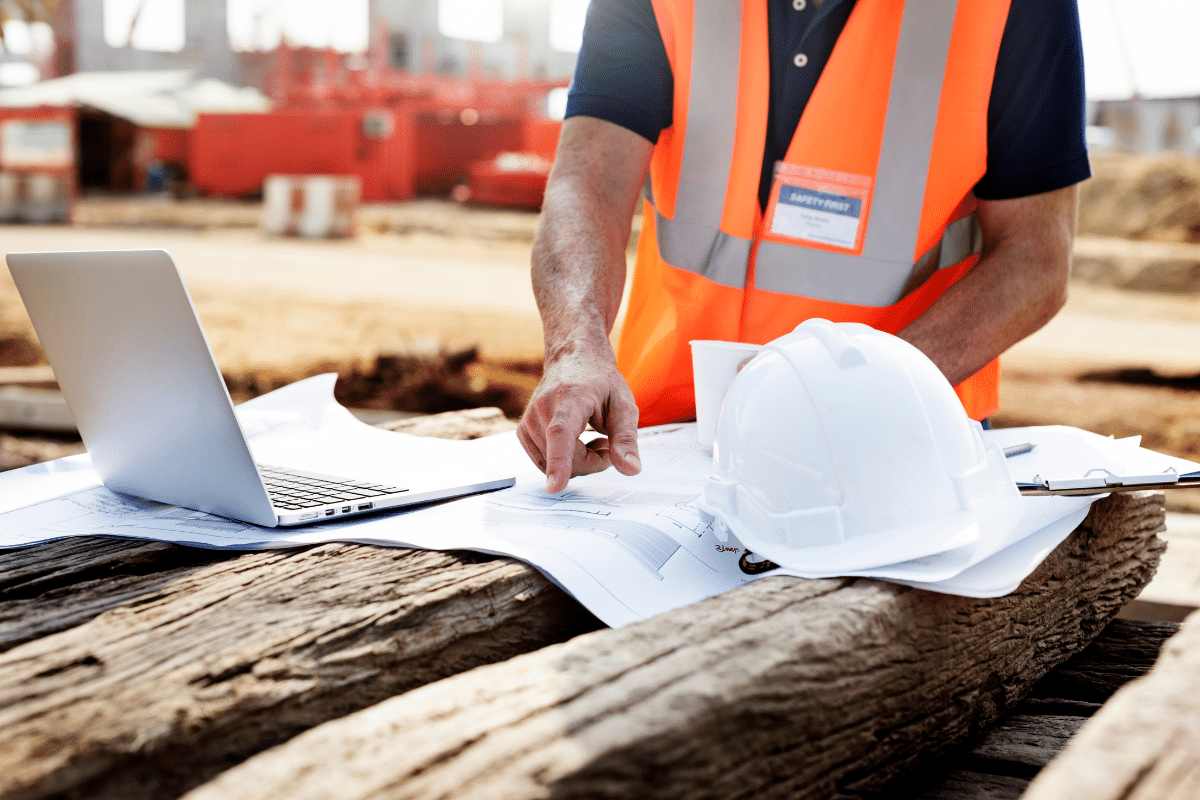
(139, 669)
(783, 688)
(1000, 765)
(184, 672)
(967, 785)
(1012, 751)
(1145, 743)
(1176, 586)
(470, 424)
(66, 583)
(1126, 651)
(1031, 740)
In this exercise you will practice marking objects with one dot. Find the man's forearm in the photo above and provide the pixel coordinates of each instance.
(578, 270)
(578, 277)
(579, 254)
(1018, 285)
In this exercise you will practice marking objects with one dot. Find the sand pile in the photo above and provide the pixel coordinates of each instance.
(1139, 224)
(1154, 198)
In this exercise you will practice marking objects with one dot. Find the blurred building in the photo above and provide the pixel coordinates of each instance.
(120, 131)
(206, 51)
(1141, 125)
(426, 109)
(521, 46)
(524, 48)
(1143, 74)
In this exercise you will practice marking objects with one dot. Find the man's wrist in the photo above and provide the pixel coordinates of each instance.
(576, 344)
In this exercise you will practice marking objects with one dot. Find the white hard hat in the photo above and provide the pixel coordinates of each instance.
(840, 447)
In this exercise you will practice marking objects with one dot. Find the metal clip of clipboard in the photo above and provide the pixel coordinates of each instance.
(1091, 483)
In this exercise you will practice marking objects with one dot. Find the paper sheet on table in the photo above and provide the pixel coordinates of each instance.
(627, 548)
(1061, 452)
(299, 425)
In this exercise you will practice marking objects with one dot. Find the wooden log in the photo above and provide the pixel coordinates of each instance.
(783, 688)
(165, 678)
(34, 447)
(1126, 651)
(1143, 744)
(962, 784)
(1175, 590)
(470, 424)
(1028, 739)
(35, 410)
(64, 584)
(140, 669)
(10, 375)
(1001, 764)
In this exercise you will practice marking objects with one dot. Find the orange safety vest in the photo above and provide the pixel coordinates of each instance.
(871, 216)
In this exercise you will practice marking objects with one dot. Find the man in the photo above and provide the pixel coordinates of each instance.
(908, 165)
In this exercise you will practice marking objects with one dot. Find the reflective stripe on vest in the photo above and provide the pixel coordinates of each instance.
(709, 264)
(886, 271)
(694, 240)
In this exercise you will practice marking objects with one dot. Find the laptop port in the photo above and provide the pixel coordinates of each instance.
(345, 509)
(366, 506)
(329, 512)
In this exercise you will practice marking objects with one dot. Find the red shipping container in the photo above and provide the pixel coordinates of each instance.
(419, 146)
(448, 139)
(512, 180)
(232, 154)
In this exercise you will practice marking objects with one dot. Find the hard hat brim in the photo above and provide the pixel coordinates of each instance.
(887, 547)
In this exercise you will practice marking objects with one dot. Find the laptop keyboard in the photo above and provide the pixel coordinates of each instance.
(291, 490)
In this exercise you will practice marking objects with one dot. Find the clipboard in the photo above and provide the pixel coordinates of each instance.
(1105, 482)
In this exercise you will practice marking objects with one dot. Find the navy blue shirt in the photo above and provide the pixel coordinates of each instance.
(1036, 112)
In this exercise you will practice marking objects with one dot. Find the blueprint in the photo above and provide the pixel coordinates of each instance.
(626, 547)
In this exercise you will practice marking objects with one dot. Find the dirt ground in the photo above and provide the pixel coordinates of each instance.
(1150, 198)
(430, 307)
(1123, 358)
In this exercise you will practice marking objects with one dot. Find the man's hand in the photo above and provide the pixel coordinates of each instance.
(578, 276)
(575, 390)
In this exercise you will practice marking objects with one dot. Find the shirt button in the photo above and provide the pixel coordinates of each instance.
(800, 60)
(799, 5)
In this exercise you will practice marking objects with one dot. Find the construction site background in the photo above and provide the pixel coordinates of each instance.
(430, 309)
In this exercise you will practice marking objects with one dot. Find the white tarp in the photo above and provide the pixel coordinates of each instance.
(153, 98)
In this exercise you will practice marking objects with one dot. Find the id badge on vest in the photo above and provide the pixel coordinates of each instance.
(818, 207)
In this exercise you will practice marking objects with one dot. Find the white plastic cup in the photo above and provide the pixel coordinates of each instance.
(714, 366)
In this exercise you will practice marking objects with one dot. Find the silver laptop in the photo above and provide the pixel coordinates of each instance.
(120, 331)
